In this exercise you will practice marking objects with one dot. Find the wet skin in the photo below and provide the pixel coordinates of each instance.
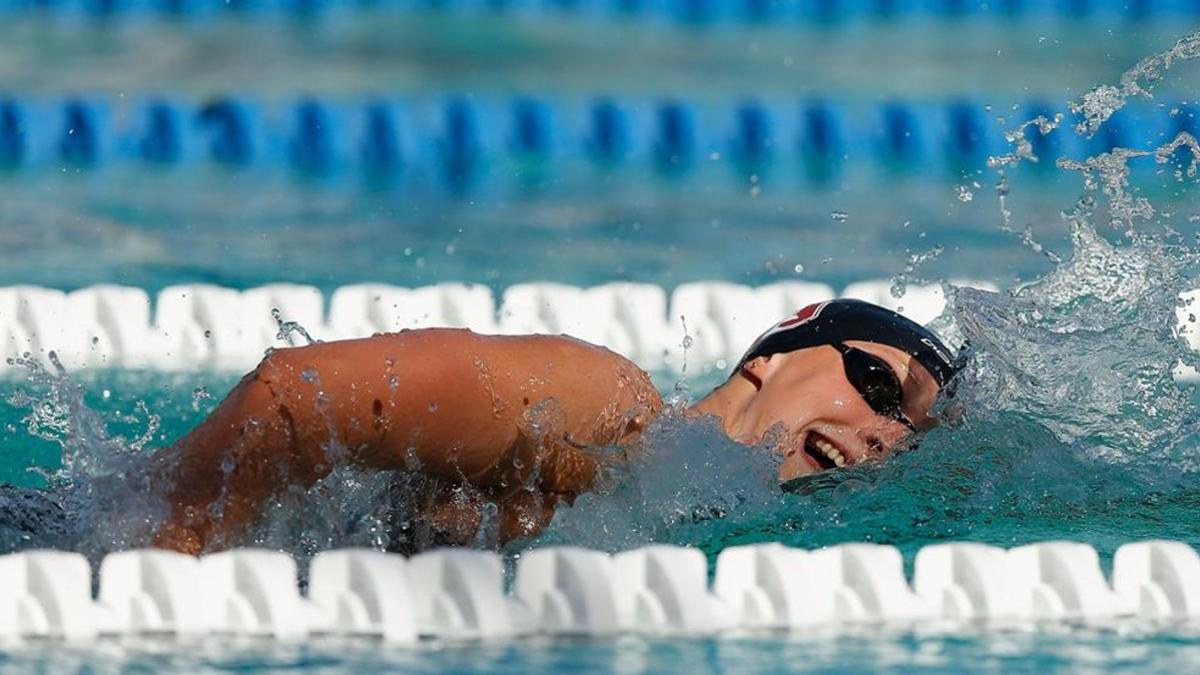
(523, 419)
(798, 397)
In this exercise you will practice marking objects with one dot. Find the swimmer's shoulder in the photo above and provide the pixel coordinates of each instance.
(537, 351)
(542, 353)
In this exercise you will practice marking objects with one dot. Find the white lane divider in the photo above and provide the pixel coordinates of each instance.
(1160, 578)
(571, 591)
(773, 586)
(365, 309)
(968, 581)
(206, 326)
(664, 590)
(1062, 580)
(47, 594)
(867, 582)
(364, 592)
(254, 592)
(151, 591)
(458, 594)
(921, 303)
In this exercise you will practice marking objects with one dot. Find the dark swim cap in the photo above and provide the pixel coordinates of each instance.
(839, 320)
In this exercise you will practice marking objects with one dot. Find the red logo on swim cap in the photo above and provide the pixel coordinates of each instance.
(803, 316)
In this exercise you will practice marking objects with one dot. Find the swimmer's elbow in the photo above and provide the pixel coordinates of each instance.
(287, 365)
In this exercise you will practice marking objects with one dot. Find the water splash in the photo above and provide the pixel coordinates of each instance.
(1099, 104)
(1068, 424)
(289, 329)
(684, 475)
(104, 495)
(913, 263)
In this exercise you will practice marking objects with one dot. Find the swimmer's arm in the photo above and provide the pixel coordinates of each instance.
(381, 401)
(447, 403)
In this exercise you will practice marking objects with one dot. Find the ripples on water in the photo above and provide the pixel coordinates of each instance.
(1068, 424)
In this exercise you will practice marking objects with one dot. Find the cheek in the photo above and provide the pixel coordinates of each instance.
(782, 410)
(827, 397)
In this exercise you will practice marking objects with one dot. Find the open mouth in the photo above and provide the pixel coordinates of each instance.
(824, 452)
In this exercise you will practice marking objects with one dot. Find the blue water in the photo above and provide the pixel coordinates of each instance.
(1073, 428)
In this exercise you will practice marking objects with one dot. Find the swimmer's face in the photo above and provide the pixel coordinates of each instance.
(817, 419)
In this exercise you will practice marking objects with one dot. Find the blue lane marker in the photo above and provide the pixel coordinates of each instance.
(227, 126)
(821, 138)
(319, 136)
(1112, 134)
(531, 130)
(311, 147)
(752, 140)
(459, 146)
(966, 142)
(1046, 147)
(161, 142)
(900, 137)
(13, 135)
(79, 138)
(608, 138)
(674, 141)
(380, 147)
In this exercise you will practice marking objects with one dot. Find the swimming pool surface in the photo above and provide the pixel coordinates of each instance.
(1112, 648)
(1076, 428)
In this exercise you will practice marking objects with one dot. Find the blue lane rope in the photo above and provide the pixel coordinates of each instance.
(459, 139)
(681, 12)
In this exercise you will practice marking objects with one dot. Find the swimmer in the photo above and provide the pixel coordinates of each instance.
(522, 420)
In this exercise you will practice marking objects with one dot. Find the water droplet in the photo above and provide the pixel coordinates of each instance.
(199, 394)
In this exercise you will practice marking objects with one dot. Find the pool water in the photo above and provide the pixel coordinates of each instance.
(1072, 425)
(1116, 647)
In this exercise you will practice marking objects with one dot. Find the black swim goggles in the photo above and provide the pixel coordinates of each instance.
(875, 381)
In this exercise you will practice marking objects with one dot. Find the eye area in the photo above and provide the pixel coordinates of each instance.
(881, 388)
(876, 382)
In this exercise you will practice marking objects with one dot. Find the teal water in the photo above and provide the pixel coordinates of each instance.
(1070, 425)
(1117, 647)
